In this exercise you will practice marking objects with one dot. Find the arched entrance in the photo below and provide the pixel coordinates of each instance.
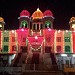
(35, 58)
(35, 44)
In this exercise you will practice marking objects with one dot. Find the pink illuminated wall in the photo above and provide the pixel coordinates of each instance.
(49, 37)
(0, 41)
(73, 34)
(35, 43)
(38, 40)
(22, 36)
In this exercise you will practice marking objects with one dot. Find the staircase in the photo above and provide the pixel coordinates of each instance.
(42, 73)
(52, 56)
(45, 62)
(16, 60)
(22, 59)
(53, 59)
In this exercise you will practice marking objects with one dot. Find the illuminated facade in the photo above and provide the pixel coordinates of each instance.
(37, 36)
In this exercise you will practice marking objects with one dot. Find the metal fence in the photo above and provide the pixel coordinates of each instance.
(29, 68)
(40, 67)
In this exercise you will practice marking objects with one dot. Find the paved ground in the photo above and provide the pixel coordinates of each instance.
(35, 73)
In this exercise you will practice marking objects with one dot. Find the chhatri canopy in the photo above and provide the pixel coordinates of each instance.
(48, 13)
(24, 13)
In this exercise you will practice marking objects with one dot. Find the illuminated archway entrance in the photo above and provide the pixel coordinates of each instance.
(35, 44)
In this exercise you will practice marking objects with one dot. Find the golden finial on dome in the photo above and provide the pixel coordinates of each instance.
(38, 9)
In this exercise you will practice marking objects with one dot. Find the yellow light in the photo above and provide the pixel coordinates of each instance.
(13, 31)
(73, 26)
(66, 30)
(0, 25)
(38, 9)
(58, 31)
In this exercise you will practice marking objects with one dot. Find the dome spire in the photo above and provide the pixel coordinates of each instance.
(38, 9)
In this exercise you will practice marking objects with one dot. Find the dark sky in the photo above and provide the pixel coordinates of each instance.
(63, 10)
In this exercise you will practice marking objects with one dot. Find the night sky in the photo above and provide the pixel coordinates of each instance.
(63, 10)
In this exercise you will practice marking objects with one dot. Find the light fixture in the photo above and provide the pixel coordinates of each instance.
(13, 31)
(38, 9)
(73, 55)
(63, 54)
(22, 29)
(66, 30)
(58, 31)
(0, 25)
(49, 29)
(73, 26)
(36, 37)
(13, 56)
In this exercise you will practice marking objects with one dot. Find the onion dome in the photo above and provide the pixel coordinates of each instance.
(48, 13)
(1, 19)
(37, 14)
(24, 13)
(72, 20)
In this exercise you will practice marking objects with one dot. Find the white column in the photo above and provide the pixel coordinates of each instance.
(9, 61)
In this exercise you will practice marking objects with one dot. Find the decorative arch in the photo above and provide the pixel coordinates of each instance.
(48, 24)
(24, 24)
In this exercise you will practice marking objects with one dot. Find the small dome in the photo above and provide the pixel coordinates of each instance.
(37, 14)
(48, 13)
(1, 19)
(72, 20)
(24, 13)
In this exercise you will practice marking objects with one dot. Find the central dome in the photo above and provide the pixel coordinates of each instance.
(37, 14)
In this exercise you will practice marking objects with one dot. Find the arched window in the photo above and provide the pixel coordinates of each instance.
(48, 24)
(24, 24)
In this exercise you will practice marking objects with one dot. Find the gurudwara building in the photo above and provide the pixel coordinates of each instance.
(36, 45)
